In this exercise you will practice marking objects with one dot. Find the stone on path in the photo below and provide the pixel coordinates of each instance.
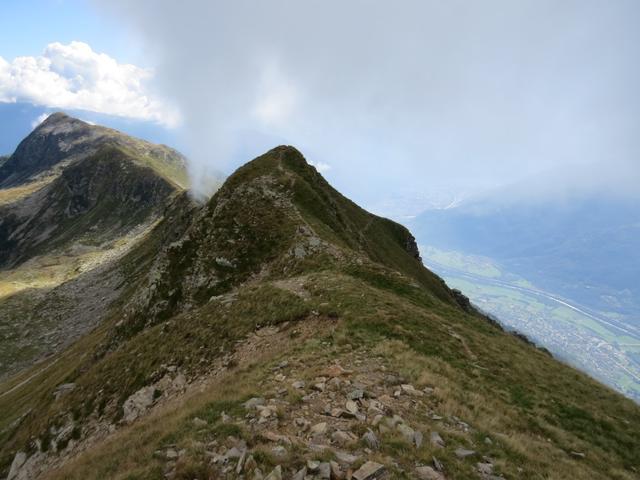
(371, 440)
(369, 471)
(428, 473)
(436, 440)
(276, 474)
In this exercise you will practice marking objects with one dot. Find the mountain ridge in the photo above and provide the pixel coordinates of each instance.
(279, 325)
(61, 138)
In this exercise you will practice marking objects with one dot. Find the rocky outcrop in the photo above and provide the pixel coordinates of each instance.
(412, 247)
(138, 403)
(16, 465)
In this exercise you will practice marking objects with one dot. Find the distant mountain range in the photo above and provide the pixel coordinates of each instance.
(276, 330)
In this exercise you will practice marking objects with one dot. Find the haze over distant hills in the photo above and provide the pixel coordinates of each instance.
(582, 249)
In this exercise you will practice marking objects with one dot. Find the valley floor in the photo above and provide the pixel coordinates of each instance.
(602, 345)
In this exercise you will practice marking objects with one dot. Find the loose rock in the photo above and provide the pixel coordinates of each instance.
(300, 474)
(276, 474)
(410, 390)
(464, 453)
(319, 428)
(417, 439)
(369, 471)
(253, 403)
(324, 471)
(406, 431)
(138, 403)
(428, 473)
(371, 440)
(436, 440)
(484, 468)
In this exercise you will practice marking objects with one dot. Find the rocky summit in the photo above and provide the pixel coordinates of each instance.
(277, 331)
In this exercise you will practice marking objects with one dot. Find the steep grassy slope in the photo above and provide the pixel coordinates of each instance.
(73, 198)
(261, 293)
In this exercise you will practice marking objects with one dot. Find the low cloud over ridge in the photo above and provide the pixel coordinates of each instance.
(405, 94)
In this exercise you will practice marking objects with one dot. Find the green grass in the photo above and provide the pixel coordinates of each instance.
(365, 294)
(519, 393)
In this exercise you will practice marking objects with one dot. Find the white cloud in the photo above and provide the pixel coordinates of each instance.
(74, 76)
(417, 94)
(41, 118)
(277, 98)
(320, 166)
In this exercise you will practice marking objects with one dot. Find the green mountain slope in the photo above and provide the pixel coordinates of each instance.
(73, 198)
(281, 330)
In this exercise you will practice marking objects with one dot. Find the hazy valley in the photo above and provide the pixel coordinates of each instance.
(561, 272)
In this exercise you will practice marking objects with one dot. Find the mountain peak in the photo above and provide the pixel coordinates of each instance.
(275, 214)
(61, 140)
(57, 117)
(281, 157)
(59, 122)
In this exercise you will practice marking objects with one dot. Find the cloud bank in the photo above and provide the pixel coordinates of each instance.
(407, 94)
(75, 77)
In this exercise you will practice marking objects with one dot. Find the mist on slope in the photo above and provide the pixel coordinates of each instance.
(405, 95)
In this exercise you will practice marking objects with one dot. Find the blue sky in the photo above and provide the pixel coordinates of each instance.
(27, 26)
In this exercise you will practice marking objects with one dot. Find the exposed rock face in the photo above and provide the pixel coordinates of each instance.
(462, 300)
(138, 403)
(412, 247)
(16, 465)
